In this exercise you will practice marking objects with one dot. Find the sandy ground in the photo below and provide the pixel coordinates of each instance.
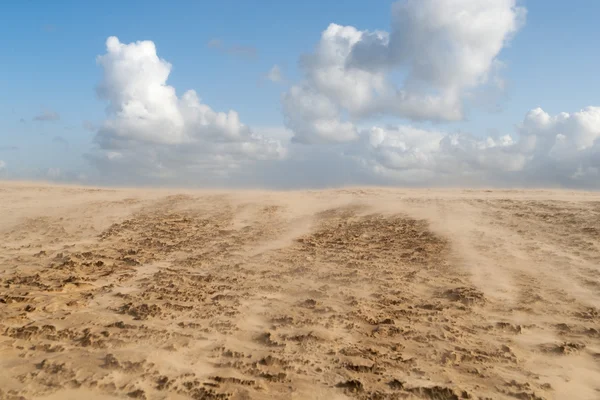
(354, 293)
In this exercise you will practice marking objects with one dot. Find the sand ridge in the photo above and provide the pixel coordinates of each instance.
(362, 293)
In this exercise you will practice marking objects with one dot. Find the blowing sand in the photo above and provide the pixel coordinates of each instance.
(354, 293)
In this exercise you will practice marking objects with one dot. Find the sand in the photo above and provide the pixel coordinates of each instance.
(338, 294)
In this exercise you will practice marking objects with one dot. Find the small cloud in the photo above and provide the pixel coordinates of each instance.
(22, 120)
(2, 165)
(50, 28)
(215, 43)
(61, 141)
(47, 116)
(243, 51)
(89, 126)
(9, 148)
(275, 74)
(248, 52)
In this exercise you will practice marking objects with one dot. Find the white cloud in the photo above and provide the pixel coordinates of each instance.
(150, 130)
(545, 150)
(444, 51)
(569, 132)
(442, 48)
(566, 145)
(314, 118)
(2, 165)
(407, 154)
(275, 74)
(450, 44)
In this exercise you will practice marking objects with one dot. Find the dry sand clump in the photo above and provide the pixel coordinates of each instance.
(353, 293)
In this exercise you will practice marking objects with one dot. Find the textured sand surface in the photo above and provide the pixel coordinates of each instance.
(354, 293)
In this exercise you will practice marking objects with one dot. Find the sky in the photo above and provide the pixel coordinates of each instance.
(274, 94)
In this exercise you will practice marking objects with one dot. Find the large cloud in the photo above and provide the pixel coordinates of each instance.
(441, 48)
(565, 146)
(314, 118)
(559, 150)
(151, 131)
(543, 151)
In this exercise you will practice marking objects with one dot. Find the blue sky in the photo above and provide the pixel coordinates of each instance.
(49, 66)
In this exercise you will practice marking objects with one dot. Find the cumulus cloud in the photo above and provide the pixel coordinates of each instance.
(47, 115)
(152, 131)
(544, 150)
(314, 118)
(566, 146)
(559, 150)
(443, 49)
(410, 155)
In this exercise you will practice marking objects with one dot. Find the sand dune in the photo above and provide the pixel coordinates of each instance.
(337, 294)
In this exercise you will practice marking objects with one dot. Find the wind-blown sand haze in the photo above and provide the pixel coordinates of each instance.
(337, 294)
